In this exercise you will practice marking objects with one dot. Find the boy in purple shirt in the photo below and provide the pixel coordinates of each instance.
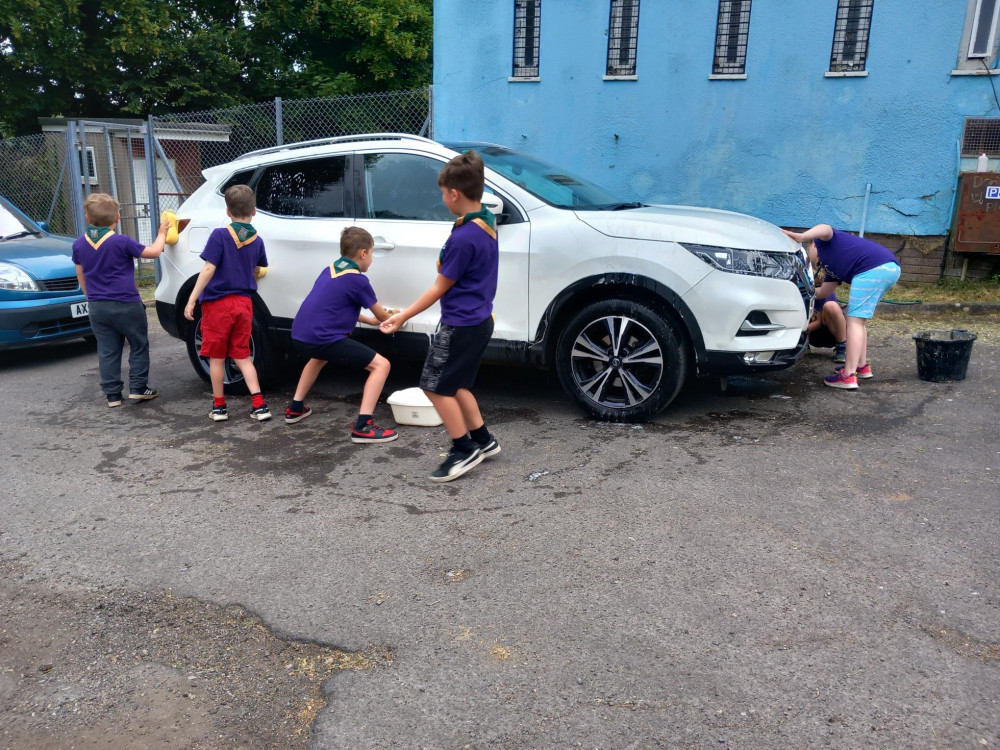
(322, 329)
(466, 285)
(871, 270)
(105, 267)
(233, 258)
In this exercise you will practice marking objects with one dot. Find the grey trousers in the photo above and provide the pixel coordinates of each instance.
(114, 323)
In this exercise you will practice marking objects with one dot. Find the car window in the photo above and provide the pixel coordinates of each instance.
(555, 186)
(313, 187)
(403, 186)
(240, 178)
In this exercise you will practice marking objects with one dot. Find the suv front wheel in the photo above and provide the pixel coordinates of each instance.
(263, 354)
(620, 360)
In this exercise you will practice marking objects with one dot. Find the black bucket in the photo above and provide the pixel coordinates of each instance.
(943, 355)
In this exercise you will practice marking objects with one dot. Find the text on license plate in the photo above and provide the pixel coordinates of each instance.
(79, 310)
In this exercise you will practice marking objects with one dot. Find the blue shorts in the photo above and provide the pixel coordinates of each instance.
(869, 287)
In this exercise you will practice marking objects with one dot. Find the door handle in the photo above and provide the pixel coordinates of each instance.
(383, 244)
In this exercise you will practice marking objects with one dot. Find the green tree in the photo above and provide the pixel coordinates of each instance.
(104, 58)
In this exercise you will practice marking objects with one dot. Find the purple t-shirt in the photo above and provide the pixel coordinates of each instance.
(330, 311)
(234, 263)
(845, 256)
(109, 266)
(471, 258)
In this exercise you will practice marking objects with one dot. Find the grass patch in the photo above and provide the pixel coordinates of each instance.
(946, 290)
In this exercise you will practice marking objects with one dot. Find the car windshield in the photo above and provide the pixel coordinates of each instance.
(11, 222)
(555, 186)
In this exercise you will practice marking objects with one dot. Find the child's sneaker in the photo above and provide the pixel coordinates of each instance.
(456, 464)
(114, 399)
(840, 380)
(219, 413)
(291, 417)
(864, 372)
(261, 413)
(490, 448)
(145, 394)
(840, 353)
(372, 433)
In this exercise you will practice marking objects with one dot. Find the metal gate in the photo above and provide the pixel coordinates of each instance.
(126, 161)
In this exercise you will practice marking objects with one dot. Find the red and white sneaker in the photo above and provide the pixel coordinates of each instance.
(840, 380)
(372, 433)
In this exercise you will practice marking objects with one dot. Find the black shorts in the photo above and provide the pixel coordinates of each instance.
(822, 338)
(454, 356)
(346, 352)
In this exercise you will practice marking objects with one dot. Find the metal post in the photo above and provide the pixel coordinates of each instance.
(153, 187)
(864, 210)
(278, 125)
(430, 112)
(111, 165)
(76, 178)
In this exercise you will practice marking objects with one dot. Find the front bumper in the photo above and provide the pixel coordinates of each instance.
(39, 324)
(734, 363)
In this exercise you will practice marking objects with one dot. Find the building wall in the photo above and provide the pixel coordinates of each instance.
(787, 144)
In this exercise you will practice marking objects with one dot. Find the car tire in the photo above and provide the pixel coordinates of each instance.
(621, 361)
(265, 356)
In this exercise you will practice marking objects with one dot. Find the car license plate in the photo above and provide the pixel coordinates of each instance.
(79, 310)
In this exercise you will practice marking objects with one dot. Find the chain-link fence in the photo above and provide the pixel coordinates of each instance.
(228, 133)
(147, 175)
(31, 170)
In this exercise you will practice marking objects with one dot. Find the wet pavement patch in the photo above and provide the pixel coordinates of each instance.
(87, 667)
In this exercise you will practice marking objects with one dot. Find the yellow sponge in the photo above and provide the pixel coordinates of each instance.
(172, 231)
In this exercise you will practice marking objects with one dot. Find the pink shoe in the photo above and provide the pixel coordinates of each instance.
(864, 372)
(840, 380)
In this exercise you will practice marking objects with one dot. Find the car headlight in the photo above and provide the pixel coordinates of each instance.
(747, 262)
(16, 279)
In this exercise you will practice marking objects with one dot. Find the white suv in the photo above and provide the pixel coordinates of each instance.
(625, 300)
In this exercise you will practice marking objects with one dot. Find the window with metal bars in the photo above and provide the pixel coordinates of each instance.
(850, 36)
(731, 37)
(623, 37)
(981, 135)
(527, 23)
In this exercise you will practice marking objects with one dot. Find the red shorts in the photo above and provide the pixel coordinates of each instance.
(225, 327)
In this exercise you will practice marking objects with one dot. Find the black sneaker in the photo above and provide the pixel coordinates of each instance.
(291, 417)
(456, 464)
(490, 448)
(219, 413)
(372, 433)
(114, 399)
(146, 394)
(261, 413)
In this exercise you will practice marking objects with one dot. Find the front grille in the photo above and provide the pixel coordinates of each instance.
(55, 327)
(65, 284)
(802, 280)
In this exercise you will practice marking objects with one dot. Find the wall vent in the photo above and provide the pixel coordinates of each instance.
(981, 135)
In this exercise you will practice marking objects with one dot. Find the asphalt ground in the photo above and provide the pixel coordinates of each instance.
(779, 565)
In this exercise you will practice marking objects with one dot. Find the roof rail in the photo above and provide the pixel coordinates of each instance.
(336, 139)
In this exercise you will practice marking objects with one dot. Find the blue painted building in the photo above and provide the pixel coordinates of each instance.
(784, 110)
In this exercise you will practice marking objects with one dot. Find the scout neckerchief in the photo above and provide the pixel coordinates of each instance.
(96, 235)
(483, 218)
(242, 233)
(343, 266)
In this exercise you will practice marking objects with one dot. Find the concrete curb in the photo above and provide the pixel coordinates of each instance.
(937, 308)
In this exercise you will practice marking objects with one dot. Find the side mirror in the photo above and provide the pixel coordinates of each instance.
(495, 204)
(43, 225)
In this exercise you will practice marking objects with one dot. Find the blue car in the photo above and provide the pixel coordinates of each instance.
(40, 297)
